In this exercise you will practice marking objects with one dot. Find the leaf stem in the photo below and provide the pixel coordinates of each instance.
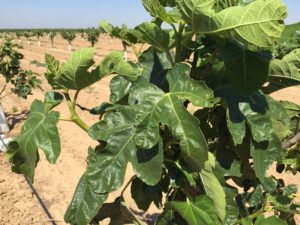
(170, 57)
(65, 118)
(76, 97)
(74, 116)
(174, 28)
(178, 42)
(127, 185)
(176, 163)
(263, 210)
(174, 194)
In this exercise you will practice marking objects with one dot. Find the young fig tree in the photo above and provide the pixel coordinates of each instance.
(9, 60)
(38, 34)
(27, 35)
(23, 82)
(52, 36)
(93, 36)
(192, 116)
(82, 34)
(19, 34)
(69, 36)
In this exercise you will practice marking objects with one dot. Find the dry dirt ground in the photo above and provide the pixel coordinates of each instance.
(56, 183)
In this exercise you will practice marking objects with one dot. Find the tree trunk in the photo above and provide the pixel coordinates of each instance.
(70, 47)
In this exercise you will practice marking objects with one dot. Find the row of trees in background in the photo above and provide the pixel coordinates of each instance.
(22, 81)
(91, 34)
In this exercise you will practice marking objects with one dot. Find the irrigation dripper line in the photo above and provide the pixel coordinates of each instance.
(35, 193)
(41, 201)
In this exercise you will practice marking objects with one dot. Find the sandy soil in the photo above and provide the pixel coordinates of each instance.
(56, 183)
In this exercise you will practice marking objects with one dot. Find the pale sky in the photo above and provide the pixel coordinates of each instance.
(86, 13)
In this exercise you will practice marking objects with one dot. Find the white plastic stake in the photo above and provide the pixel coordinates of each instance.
(3, 123)
(125, 55)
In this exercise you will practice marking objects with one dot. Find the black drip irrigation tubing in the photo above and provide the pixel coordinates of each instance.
(36, 194)
(41, 202)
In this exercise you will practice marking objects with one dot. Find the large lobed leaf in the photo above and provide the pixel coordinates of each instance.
(144, 194)
(114, 63)
(258, 114)
(85, 204)
(251, 110)
(77, 73)
(123, 33)
(246, 70)
(259, 23)
(119, 88)
(53, 71)
(109, 29)
(263, 115)
(264, 154)
(53, 99)
(153, 67)
(153, 34)
(118, 212)
(39, 132)
(156, 9)
(198, 212)
(213, 188)
(107, 167)
(284, 72)
(167, 108)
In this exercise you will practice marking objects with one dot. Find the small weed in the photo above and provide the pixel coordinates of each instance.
(37, 63)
